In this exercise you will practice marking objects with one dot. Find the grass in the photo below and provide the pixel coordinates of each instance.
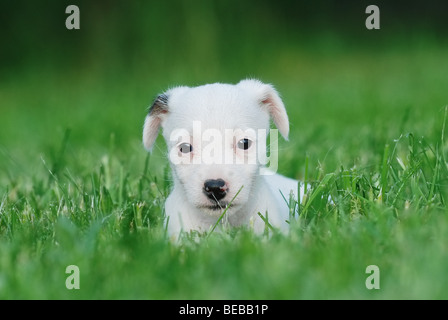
(77, 188)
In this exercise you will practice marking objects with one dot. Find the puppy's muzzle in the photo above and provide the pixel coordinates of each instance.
(215, 189)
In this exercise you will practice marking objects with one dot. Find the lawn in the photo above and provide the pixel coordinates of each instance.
(368, 128)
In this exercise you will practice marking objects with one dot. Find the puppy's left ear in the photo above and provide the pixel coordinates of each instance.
(269, 100)
(157, 112)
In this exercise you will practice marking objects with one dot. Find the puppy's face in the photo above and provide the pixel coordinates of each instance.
(216, 135)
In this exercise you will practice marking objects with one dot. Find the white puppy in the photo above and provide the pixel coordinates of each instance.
(216, 138)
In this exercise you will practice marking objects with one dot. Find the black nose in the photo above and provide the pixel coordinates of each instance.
(215, 189)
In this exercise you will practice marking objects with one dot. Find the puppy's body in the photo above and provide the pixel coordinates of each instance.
(266, 198)
(214, 135)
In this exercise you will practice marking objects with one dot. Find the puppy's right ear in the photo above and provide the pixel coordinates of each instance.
(269, 100)
(157, 112)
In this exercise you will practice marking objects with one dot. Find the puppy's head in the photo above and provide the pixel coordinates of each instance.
(216, 135)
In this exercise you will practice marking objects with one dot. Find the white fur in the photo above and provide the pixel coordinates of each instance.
(232, 111)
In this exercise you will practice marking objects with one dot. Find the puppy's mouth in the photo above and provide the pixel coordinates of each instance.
(216, 205)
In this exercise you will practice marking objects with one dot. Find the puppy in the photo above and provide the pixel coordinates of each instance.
(216, 136)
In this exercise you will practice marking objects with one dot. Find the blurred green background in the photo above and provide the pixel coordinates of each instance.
(332, 72)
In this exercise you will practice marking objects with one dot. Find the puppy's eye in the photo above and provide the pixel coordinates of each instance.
(244, 144)
(185, 147)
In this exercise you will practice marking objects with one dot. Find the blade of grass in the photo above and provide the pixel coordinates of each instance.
(319, 189)
(224, 212)
(306, 177)
(266, 222)
(384, 171)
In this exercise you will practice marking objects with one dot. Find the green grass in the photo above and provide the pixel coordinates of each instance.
(367, 129)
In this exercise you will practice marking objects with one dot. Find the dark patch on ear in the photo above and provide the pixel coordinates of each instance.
(160, 105)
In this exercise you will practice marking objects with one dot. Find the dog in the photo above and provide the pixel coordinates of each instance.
(216, 141)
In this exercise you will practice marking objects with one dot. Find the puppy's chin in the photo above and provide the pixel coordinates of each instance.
(215, 209)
